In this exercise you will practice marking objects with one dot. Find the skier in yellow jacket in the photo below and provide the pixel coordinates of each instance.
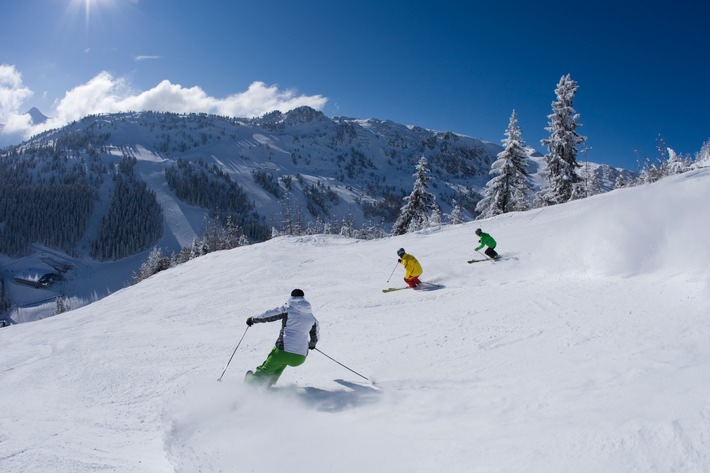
(412, 268)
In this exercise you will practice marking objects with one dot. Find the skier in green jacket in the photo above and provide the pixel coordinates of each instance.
(487, 240)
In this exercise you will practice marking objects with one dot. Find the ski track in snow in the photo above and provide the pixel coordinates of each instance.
(152, 170)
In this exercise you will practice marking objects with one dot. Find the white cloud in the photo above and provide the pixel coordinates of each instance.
(101, 94)
(108, 94)
(168, 97)
(260, 99)
(12, 92)
(16, 124)
(146, 57)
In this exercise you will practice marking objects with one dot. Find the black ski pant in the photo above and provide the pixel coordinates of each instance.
(491, 253)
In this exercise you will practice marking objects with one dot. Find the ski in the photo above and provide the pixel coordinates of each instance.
(498, 258)
(425, 286)
(390, 289)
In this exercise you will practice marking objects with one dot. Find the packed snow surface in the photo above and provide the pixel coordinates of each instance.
(585, 349)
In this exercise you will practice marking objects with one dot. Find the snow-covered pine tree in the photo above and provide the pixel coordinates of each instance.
(675, 164)
(562, 145)
(594, 183)
(347, 226)
(510, 189)
(414, 215)
(702, 157)
(291, 219)
(456, 216)
(435, 219)
(183, 255)
(216, 236)
(61, 305)
(155, 263)
(662, 148)
(649, 173)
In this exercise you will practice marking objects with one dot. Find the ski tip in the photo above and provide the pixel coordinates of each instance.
(359, 385)
(429, 287)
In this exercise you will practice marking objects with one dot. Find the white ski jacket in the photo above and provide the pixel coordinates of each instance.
(298, 325)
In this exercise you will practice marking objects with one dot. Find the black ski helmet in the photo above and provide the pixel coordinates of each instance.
(478, 232)
(400, 252)
(297, 293)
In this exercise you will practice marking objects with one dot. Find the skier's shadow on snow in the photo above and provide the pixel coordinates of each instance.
(336, 401)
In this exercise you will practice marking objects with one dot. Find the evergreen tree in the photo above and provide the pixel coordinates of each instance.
(347, 226)
(456, 216)
(508, 191)
(435, 220)
(61, 305)
(702, 157)
(155, 263)
(562, 178)
(181, 256)
(217, 236)
(662, 148)
(594, 183)
(414, 215)
(290, 217)
(676, 164)
(651, 172)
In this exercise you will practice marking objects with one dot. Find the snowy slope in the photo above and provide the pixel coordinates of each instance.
(331, 170)
(584, 350)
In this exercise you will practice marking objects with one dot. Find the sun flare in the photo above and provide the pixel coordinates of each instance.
(90, 8)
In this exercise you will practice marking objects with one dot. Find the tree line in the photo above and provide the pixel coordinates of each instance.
(134, 220)
(53, 210)
(208, 186)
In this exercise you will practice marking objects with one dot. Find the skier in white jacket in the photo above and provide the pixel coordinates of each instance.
(299, 333)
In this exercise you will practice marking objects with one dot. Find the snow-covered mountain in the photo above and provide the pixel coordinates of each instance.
(584, 350)
(97, 194)
(36, 116)
(301, 153)
(7, 138)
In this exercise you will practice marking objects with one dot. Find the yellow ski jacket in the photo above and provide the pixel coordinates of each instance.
(411, 266)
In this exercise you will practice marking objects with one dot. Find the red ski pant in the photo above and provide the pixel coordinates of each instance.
(413, 281)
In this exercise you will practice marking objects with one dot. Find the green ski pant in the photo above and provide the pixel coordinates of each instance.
(275, 364)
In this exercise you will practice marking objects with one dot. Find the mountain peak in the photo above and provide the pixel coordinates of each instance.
(36, 116)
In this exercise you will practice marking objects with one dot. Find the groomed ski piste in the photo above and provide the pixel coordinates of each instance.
(584, 350)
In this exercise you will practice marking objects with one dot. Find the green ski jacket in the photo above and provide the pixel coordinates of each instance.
(486, 240)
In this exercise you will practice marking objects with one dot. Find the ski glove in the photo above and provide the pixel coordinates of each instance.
(311, 345)
(250, 321)
(399, 260)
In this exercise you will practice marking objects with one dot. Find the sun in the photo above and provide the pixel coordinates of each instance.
(90, 8)
(97, 20)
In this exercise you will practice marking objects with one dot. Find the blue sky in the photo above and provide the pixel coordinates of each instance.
(456, 66)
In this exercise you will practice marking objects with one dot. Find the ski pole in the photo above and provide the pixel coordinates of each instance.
(395, 269)
(235, 350)
(316, 349)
